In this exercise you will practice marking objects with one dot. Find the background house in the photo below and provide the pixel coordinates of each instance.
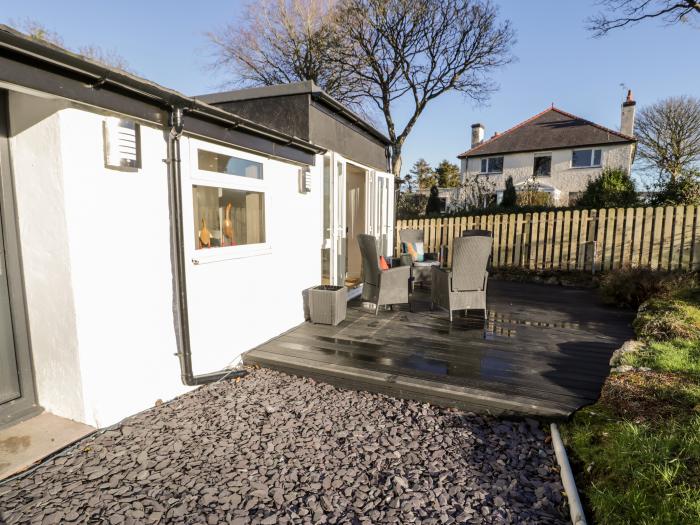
(562, 151)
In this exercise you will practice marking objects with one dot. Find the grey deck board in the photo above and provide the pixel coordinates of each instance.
(544, 350)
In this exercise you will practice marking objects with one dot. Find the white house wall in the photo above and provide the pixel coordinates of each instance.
(40, 203)
(97, 266)
(563, 177)
(239, 302)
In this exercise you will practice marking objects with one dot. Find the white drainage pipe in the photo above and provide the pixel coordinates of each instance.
(567, 478)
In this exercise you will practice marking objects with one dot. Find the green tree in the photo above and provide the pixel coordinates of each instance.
(682, 189)
(434, 204)
(447, 174)
(614, 188)
(423, 174)
(510, 197)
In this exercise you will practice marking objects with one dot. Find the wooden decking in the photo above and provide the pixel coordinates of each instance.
(544, 350)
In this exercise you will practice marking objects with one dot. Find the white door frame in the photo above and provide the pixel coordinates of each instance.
(379, 186)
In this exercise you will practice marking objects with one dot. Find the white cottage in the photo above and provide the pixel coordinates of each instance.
(562, 151)
(150, 238)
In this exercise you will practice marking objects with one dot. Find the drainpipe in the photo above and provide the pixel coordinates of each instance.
(177, 251)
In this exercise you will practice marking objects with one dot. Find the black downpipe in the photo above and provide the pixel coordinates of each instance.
(177, 249)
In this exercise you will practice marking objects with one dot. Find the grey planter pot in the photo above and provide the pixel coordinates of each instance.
(328, 304)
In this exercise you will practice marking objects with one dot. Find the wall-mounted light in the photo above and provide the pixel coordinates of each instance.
(122, 144)
(304, 180)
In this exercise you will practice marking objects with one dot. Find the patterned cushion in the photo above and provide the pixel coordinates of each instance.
(415, 250)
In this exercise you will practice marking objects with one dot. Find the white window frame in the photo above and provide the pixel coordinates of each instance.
(592, 165)
(487, 172)
(199, 177)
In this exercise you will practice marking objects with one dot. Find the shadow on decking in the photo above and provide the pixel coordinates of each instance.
(542, 350)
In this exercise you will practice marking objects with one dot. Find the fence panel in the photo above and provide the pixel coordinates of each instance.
(665, 238)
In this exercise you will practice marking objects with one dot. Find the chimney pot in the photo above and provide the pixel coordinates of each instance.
(477, 134)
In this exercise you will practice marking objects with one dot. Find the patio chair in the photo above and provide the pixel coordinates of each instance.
(381, 287)
(420, 270)
(463, 287)
(477, 233)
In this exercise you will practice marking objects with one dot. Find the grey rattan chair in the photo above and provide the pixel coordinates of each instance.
(463, 287)
(420, 269)
(477, 233)
(379, 286)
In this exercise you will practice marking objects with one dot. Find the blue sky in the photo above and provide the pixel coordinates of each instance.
(557, 60)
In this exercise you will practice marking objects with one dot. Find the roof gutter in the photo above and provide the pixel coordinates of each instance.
(99, 76)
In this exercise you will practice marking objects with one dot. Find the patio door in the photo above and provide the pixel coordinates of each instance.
(17, 396)
(334, 249)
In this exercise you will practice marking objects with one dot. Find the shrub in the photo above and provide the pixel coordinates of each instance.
(630, 287)
(410, 205)
(614, 188)
(434, 204)
(683, 189)
(510, 196)
(663, 319)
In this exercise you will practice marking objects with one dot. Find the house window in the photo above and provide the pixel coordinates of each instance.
(228, 203)
(227, 217)
(220, 163)
(586, 158)
(542, 166)
(492, 165)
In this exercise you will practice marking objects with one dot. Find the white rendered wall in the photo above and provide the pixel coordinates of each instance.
(118, 225)
(37, 168)
(563, 177)
(238, 302)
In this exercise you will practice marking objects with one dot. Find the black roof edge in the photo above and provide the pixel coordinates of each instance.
(297, 88)
(104, 76)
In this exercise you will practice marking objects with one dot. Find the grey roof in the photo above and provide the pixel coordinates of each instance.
(551, 129)
(294, 88)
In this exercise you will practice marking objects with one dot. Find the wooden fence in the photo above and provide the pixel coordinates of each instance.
(665, 238)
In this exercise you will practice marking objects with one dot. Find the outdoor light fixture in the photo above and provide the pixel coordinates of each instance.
(304, 180)
(122, 144)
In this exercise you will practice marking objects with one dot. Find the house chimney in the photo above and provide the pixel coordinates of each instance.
(477, 134)
(627, 119)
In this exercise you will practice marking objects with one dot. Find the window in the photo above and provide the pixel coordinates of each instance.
(228, 203)
(227, 217)
(574, 196)
(542, 166)
(220, 163)
(492, 165)
(586, 158)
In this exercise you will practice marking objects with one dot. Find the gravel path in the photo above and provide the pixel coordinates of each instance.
(274, 448)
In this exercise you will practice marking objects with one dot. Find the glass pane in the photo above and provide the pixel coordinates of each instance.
(220, 163)
(496, 165)
(581, 158)
(543, 166)
(597, 155)
(224, 217)
(484, 167)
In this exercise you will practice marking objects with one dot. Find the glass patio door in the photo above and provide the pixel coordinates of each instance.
(338, 241)
(382, 208)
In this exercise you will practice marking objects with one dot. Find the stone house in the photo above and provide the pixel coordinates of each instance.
(557, 151)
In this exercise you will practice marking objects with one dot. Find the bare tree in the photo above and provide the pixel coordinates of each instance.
(621, 13)
(668, 135)
(283, 41)
(420, 49)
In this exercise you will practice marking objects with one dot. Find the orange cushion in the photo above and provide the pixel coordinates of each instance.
(382, 263)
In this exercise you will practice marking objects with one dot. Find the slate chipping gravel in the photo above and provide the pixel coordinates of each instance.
(274, 448)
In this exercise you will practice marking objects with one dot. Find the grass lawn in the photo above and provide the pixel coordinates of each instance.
(637, 450)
